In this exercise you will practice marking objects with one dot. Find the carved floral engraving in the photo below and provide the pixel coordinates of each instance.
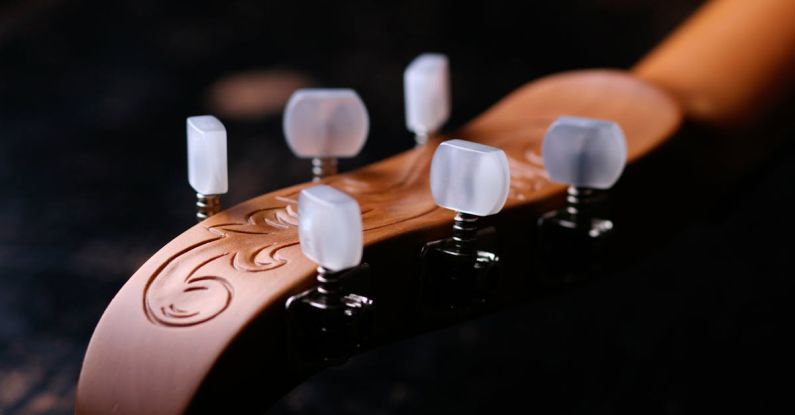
(188, 288)
(183, 292)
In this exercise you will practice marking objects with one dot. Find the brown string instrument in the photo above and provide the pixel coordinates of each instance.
(203, 326)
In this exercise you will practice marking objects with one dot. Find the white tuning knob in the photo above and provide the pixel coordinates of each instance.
(330, 228)
(207, 172)
(207, 155)
(470, 178)
(426, 84)
(324, 124)
(584, 152)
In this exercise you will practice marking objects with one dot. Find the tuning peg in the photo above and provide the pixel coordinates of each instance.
(328, 324)
(325, 124)
(473, 180)
(589, 156)
(426, 84)
(207, 171)
(470, 178)
(330, 228)
(584, 152)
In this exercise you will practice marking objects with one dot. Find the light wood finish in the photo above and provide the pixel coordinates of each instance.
(728, 62)
(200, 326)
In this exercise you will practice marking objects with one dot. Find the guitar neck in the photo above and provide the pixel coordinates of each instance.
(728, 62)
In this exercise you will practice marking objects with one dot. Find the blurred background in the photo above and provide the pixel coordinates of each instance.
(93, 100)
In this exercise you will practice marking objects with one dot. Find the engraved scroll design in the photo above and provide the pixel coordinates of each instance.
(528, 174)
(523, 148)
(188, 289)
(184, 291)
(198, 283)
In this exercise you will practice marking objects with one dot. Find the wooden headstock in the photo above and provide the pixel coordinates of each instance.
(201, 326)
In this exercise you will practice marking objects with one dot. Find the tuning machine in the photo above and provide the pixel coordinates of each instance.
(207, 172)
(473, 180)
(327, 323)
(588, 155)
(324, 125)
(426, 85)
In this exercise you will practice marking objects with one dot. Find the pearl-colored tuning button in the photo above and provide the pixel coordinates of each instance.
(330, 228)
(328, 323)
(470, 178)
(426, 84)
(585, 152)
(473, 180)
(207, 171)
(325, 124)
(574, 242)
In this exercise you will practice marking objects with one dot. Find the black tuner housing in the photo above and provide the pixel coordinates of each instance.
(457, 278)
(326, 324)
(574, 242)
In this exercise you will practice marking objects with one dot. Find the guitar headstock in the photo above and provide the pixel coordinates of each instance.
(229, 277)
(254, 298)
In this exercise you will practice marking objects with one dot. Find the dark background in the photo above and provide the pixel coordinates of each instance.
(93, 99)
